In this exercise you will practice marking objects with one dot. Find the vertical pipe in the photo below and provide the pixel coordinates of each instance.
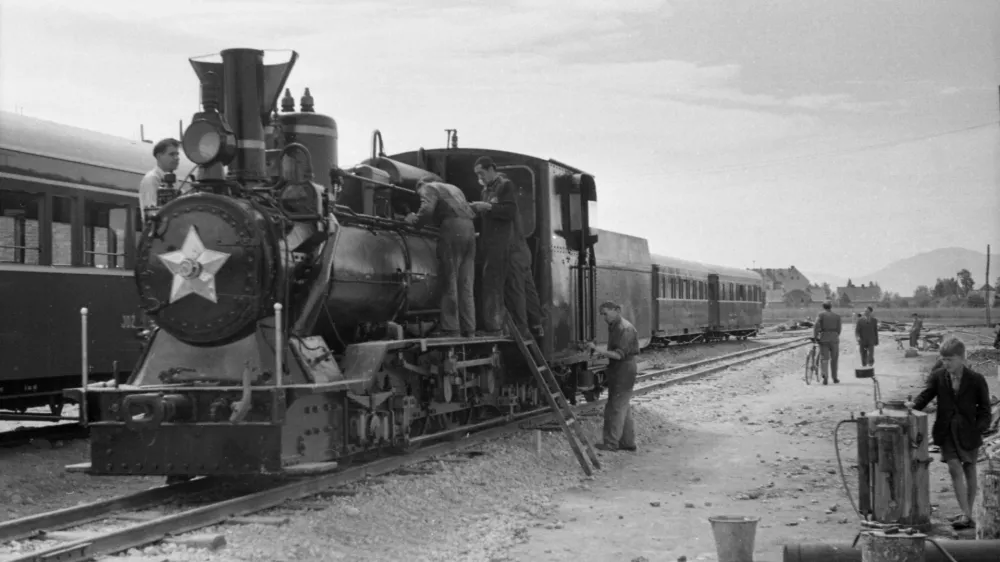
(279, 347)
(84, 370)
(243, 86)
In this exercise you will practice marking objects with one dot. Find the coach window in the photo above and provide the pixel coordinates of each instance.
(19, 232)
(62, 231)
(104, 235)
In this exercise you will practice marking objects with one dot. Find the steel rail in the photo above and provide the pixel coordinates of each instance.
(32, 525)
(23, 435)
(745, 357)
(189, 520)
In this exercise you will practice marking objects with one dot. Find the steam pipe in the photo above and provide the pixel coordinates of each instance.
(278, 345)
(84, 370)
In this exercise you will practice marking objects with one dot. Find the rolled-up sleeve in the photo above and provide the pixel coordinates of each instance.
(147, 192)
(627, 342)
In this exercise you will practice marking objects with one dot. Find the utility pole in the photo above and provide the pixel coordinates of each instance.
(989, 299)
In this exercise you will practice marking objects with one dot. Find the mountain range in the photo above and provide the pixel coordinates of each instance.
(905, 275)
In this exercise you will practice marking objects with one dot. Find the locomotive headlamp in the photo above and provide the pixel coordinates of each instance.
(209, 140)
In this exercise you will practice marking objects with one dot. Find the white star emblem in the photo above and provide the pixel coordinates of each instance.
(194, 268)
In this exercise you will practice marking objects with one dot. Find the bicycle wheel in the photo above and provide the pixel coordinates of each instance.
(809, 364)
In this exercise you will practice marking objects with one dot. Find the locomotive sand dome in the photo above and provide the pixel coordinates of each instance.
(209, 272)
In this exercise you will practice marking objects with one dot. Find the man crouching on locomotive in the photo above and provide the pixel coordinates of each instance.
(446, 205)
(623, 346)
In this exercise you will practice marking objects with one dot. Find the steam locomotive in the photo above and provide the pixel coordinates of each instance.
(292, 302)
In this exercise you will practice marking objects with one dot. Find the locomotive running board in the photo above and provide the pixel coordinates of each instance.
(575, 434)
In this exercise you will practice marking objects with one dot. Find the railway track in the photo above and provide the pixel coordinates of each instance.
(150, 526)
(58, 432)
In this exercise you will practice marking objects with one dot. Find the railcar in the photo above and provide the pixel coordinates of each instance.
(68, 231)
(704, 302)
(292, 303)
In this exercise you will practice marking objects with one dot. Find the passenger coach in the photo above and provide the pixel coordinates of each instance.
(68, 230)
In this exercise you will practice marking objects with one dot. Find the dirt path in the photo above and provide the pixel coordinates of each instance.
(757, 442)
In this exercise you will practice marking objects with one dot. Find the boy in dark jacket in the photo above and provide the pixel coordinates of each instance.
(963, 415)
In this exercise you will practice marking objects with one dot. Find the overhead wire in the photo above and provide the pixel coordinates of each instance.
(856, 150)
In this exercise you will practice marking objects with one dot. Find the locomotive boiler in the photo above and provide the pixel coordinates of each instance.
(289, 303)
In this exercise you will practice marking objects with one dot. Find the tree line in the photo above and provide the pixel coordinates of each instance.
(959, 290)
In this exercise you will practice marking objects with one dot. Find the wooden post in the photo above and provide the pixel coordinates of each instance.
(538, 442)
(987, 509)
(893, 447)
(877, 546)
(888, 475)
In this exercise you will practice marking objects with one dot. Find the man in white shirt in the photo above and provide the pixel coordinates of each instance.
(168, 157)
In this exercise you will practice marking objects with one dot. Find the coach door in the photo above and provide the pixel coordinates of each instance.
(576, 193)
(713, 301)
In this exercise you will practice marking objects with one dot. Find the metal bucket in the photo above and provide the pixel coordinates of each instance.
(734, 537)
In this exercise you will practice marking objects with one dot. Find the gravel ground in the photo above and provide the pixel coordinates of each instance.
(482, 507)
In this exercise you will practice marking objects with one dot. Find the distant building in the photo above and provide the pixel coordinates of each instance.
(785, 279)
(818, 294)
(790, 288)
(981, 293)
(860, 296)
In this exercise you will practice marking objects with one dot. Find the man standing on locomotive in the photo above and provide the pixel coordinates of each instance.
(866, 332)
(623, 346)
(827, 332)
(168, 157)
(446, 205)
(507, 278)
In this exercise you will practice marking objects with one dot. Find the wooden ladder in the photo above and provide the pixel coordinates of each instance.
(548, 385)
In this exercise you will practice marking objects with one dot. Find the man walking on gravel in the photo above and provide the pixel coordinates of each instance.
(915, 330)
(866, 332)
(963, 415)
(827, 333)
(623, 346)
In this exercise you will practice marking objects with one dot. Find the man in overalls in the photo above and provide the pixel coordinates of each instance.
(623, 346)
(445, 205)
(507, 278)
(827, 333)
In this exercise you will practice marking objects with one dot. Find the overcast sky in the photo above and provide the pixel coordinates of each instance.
(835, 136)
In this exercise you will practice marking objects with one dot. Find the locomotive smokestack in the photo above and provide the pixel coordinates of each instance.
(250, 90)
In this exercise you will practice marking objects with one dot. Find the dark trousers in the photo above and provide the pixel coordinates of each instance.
(829, 351)
(497, 290)
(520, 263)
(456, 253)
(867, 354)
(618, 428)
(915, 340)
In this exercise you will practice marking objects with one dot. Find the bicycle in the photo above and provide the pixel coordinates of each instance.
(812, 363)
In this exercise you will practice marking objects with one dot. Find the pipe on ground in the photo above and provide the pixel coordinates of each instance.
(963, 551)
